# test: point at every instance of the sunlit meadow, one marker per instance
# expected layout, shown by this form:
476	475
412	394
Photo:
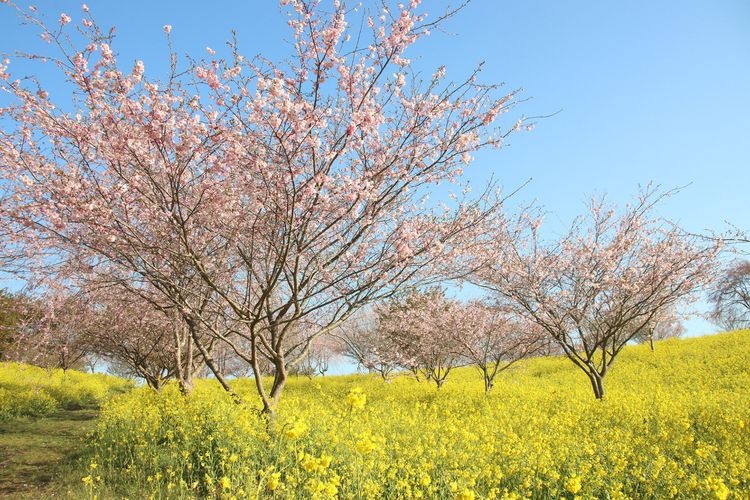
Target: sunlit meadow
674	424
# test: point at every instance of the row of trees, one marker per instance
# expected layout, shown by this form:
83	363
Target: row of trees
230	215
613	278
429	335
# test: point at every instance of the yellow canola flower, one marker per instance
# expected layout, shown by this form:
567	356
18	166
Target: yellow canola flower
671	426
365	445
296	430
273	481
356	398
573	484
466	494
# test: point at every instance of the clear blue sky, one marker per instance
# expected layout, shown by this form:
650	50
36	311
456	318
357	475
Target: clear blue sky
649	91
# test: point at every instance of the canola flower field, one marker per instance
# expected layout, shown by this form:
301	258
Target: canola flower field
30	391
675	424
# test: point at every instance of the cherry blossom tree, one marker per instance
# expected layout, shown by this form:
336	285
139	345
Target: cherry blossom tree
323	350
666	325
422	327
362	340
52	332
492	338
136	339
731	297
611	276
253	196
15	309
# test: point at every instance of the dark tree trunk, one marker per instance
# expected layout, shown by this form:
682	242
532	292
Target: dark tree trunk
488	383
597	383
279	381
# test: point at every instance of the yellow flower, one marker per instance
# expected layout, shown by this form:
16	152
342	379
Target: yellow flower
296	430
225	483
365	445
720	490
309	463
573	484
273	481
356	398
331	490
466	494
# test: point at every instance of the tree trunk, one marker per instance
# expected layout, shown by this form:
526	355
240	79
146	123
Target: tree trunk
489	383
186	370
651	342
209	361
279	381
153	382
185	385
597	383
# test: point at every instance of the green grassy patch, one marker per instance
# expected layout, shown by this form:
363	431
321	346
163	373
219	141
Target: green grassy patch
38	456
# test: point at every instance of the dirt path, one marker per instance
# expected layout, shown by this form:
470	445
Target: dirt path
37	455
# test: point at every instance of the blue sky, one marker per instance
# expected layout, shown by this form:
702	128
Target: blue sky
649	91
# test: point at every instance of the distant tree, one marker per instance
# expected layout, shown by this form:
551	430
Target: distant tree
134	339
422	328
12	312
493	338
665	325
731	297
54	332
594	289
362	341
317	361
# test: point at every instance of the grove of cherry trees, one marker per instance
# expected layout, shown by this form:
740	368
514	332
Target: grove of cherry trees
249	216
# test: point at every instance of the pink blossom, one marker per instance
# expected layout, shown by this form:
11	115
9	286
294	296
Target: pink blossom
167	28
64	19
106	52
138	70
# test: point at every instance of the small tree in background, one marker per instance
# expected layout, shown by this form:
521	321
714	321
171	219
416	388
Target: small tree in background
668	324
422	327
493	338
731	297
593	290
362	341
11	319
54	333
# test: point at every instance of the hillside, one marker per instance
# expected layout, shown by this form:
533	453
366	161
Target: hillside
673	425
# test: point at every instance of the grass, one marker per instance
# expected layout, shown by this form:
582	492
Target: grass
38	457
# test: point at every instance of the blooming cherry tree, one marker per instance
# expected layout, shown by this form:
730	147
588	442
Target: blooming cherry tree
362	340
611	276
492	338
667	324
252	195
422	328
730	296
